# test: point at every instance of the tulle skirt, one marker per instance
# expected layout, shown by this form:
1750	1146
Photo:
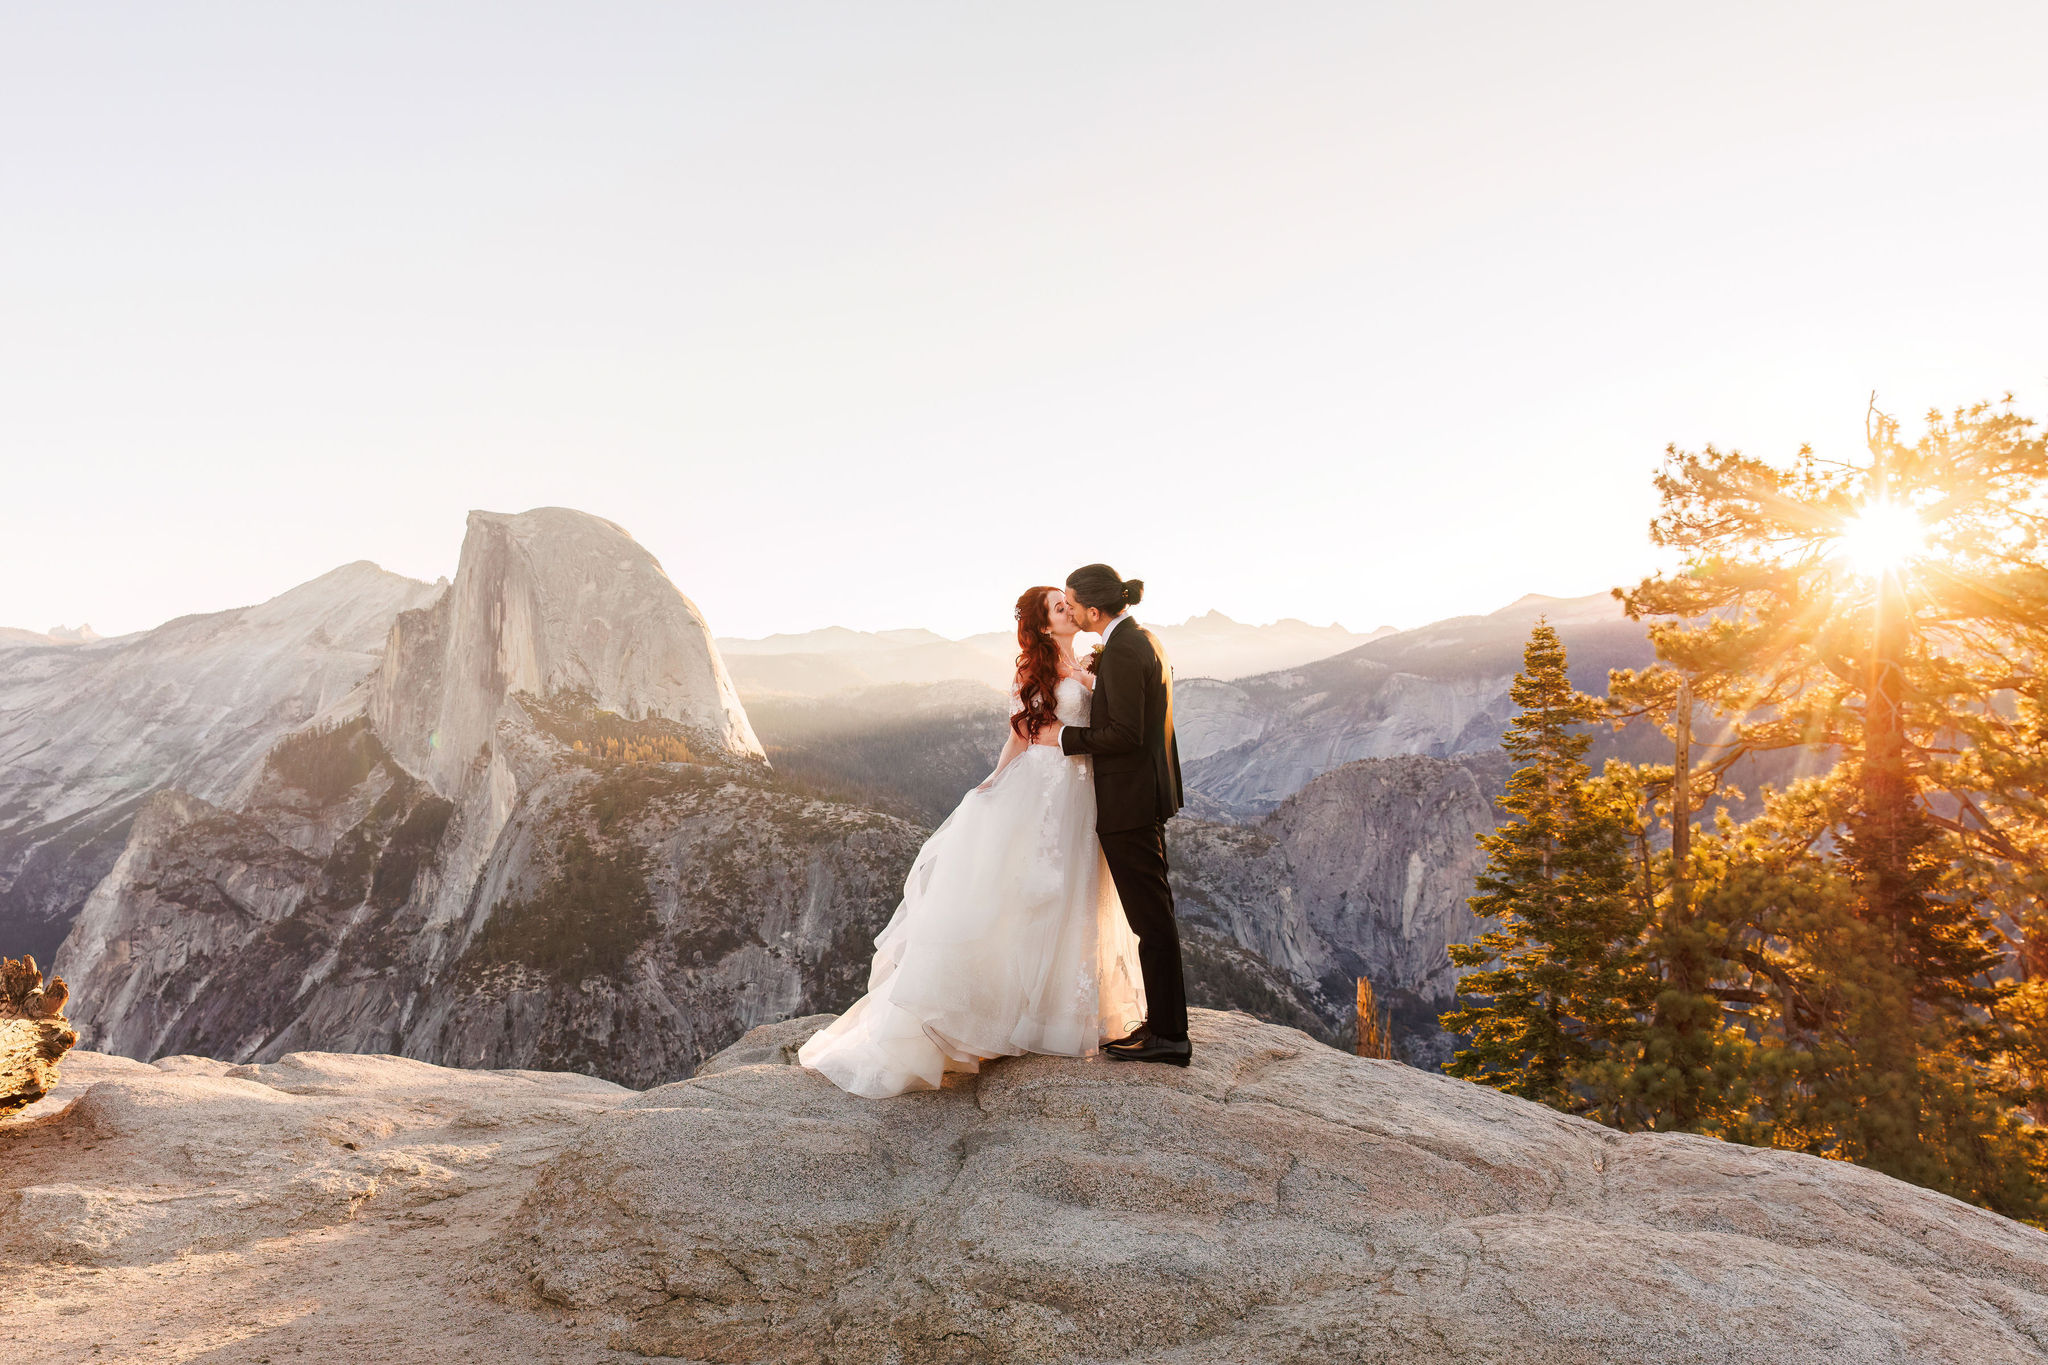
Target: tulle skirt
1009	939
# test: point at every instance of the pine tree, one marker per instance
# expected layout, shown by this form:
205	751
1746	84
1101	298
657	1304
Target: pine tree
1567	982
1894	611
1911	658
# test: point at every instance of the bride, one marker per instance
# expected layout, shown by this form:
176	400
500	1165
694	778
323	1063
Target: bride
1009	938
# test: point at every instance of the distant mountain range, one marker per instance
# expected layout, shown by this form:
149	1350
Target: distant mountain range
537	816
1246	744
55	635
1439	690
89	729
835	660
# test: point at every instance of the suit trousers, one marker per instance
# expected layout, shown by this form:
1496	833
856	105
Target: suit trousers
1137	864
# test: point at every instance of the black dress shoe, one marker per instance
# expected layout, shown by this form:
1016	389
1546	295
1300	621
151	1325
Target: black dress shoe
1151	1048
1141	1031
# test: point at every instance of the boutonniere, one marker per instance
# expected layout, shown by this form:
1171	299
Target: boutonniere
1094	656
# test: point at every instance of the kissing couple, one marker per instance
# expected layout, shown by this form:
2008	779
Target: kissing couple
1037	917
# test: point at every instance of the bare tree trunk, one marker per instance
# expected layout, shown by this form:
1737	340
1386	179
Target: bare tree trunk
1682	1018
1681	796
1880	844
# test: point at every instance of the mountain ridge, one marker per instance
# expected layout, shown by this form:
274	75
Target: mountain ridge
537	830
88	731
835	660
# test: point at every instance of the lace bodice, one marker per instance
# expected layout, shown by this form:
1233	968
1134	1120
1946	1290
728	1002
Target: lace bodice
1074	700
1071	701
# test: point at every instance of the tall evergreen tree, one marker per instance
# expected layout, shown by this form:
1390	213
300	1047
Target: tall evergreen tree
1567	980
1895	611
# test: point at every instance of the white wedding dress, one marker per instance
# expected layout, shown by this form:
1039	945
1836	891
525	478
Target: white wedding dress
1009	938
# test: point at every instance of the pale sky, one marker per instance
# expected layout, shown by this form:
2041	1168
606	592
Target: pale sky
872	315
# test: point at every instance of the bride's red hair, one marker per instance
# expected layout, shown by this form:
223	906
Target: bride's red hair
1038	666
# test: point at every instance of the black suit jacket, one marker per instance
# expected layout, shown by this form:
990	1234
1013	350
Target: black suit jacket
1130	733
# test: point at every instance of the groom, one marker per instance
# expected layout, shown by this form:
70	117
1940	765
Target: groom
1137	789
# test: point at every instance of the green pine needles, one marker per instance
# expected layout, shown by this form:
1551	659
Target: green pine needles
1569	979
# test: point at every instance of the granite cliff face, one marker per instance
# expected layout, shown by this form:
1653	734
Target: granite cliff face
548	602
1364	872
561	608
538	832
89	729
632	919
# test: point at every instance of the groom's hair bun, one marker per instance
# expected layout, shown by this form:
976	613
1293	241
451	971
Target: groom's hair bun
1098	586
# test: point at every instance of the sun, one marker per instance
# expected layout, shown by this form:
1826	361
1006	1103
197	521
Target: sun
1880	538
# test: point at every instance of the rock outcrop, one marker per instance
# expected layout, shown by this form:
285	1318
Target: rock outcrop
1277	1201
34	1035
89	730
320	1208
555	607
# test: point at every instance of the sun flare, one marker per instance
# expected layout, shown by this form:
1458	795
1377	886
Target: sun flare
1883	536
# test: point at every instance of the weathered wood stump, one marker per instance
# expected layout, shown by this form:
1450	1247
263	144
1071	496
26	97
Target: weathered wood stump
33	1032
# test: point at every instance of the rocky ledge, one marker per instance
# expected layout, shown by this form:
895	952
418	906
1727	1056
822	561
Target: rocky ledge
1278	1201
